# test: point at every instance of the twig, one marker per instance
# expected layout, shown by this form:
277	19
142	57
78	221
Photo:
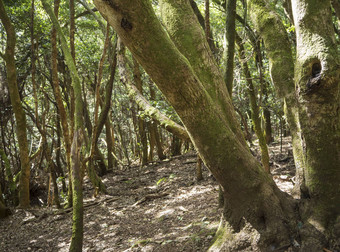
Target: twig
88	205
150	197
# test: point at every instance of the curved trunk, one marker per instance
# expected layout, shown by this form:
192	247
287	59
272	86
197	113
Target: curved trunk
281	65
189	78
24	192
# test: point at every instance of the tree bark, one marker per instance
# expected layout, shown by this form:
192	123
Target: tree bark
230	50
184	75
281	66
77	190
24	192
61	109
268	126
317	81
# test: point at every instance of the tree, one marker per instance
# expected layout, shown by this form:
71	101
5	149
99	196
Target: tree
316	80
255	113
76	165
179	62
24	197
57	95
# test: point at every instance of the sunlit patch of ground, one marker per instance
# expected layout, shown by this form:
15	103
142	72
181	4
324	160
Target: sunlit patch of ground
155	208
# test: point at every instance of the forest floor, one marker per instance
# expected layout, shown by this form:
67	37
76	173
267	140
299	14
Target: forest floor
159	207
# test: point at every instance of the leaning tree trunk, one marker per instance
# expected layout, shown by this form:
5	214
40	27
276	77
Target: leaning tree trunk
24	192
188	76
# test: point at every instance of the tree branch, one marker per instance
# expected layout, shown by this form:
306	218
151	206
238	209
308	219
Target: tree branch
149	110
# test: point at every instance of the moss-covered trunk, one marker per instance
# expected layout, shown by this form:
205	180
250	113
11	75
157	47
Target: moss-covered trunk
186	73
77	190
317	80
312	110
281	64
20	117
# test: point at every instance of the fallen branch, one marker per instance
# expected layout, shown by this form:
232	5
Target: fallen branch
150	197
87	205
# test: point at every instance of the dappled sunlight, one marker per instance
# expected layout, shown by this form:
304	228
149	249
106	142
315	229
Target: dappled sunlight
158	208
192	193
162	208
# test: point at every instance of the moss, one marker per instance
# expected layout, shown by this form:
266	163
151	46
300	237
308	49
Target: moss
222	235
24	196
141	243
277	46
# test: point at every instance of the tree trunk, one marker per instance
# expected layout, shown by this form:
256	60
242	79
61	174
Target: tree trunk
255	114
199	175
268	126
77	190
314	124
186	73
141	123
152	140
317	80
153	126
230	50
247	134
281	66
98	124
61	109
24	192
176	145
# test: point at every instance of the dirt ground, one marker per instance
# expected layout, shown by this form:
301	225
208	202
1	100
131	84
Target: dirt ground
159	207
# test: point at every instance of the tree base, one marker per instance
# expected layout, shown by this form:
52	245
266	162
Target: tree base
248	239
227	240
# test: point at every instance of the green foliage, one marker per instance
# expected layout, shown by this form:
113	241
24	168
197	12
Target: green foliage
161	181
